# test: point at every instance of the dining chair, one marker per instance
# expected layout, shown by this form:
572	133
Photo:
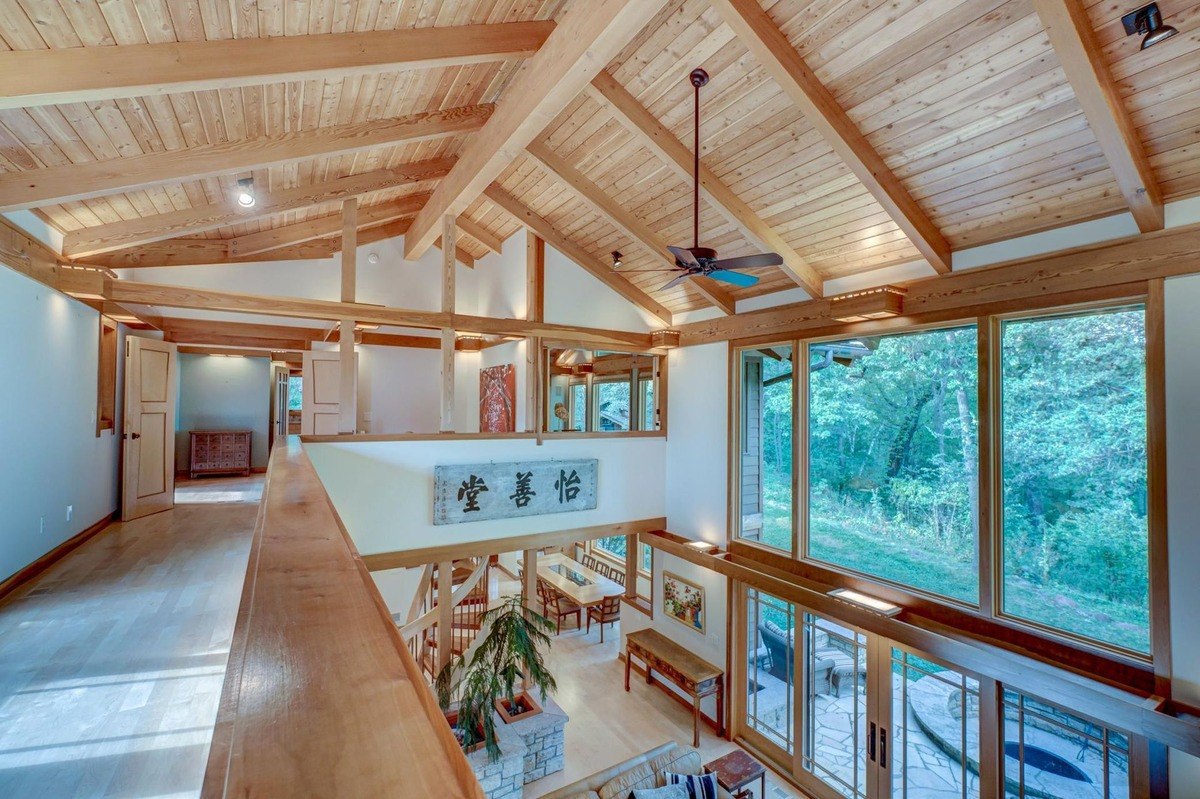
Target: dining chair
617	575
591	562
607	612
559	607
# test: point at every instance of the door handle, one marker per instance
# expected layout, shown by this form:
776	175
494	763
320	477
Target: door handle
135	436
882	748
871	743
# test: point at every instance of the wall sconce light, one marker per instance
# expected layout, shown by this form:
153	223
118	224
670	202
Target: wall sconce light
1147	20
245	195
866	601
365	326
703	546
862	306
664	339
470	343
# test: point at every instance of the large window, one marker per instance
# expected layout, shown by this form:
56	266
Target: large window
1074	474
893	458
602	392
766	446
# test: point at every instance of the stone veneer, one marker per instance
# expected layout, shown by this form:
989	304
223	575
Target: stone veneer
529	750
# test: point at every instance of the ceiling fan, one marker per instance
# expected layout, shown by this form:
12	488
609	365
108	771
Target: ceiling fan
703	261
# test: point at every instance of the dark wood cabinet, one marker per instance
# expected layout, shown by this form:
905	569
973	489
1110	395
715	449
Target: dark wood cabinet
219	452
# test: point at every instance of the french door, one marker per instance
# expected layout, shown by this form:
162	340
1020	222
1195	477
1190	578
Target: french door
854	715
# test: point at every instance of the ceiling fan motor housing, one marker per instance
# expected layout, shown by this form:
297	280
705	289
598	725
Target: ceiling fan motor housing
703	253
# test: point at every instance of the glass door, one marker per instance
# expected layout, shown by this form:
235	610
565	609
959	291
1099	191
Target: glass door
770	701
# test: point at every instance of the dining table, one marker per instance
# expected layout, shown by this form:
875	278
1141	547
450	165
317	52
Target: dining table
583	586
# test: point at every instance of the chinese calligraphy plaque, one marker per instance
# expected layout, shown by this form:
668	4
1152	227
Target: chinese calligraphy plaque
483	491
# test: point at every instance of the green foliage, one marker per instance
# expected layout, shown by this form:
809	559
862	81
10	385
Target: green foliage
511	649
893	458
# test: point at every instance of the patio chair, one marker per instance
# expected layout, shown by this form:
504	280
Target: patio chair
844	667
607	612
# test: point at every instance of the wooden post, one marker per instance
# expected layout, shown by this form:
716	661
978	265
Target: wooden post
535	311
347	396
631	564
445	623
529	582
449	235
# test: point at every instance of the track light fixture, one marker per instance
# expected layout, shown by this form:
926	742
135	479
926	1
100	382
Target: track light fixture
245	195
1147	20
616	256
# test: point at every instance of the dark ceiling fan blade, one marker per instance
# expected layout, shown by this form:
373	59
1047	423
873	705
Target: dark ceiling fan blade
736	278
683	256
750	261
675	282
644	271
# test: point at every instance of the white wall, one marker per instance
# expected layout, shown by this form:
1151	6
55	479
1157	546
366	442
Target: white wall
383	491
50	456
219	393
1183	505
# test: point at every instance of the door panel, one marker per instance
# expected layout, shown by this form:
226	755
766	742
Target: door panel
148	445
322	393
834	708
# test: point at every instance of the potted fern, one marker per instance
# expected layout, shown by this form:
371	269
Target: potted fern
485	682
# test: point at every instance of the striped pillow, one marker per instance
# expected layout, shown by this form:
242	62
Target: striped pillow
699	786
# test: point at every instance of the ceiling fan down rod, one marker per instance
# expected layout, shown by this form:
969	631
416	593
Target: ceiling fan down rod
698	78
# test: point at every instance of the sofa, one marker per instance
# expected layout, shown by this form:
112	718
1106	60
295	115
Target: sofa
642	771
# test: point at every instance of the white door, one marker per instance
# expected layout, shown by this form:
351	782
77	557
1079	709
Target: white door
149	427
322	393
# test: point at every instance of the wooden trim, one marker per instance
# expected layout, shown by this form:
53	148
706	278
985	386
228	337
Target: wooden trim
601	271
1098	271
587	37
382	561
640	604
364	672
18	579
1126	708
59	184
658	139
127	233
989	535
1156	488
106	375
754	27
1084	62
88	74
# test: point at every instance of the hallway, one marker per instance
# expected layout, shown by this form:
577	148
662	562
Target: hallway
112	662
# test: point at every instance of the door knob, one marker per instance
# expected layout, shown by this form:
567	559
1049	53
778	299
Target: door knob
135	436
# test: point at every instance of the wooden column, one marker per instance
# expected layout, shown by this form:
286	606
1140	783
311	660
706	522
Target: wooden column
529	581
631	564
535	311
445	623
347	396
449	235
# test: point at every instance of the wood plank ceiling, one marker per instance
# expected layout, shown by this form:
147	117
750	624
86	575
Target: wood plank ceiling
964	101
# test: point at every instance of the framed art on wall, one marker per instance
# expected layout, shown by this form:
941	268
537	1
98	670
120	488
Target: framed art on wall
683	601
498	399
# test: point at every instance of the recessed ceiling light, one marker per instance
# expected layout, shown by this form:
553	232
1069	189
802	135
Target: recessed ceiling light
245	195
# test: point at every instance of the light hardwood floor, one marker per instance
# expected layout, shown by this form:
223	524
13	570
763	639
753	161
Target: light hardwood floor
220	489
111	663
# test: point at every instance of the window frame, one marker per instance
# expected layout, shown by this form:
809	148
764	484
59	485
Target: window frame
1058	645
638	378
108	354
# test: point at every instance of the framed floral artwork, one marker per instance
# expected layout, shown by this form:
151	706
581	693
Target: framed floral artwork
683	601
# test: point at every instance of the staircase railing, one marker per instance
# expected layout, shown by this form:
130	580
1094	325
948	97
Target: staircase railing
468	603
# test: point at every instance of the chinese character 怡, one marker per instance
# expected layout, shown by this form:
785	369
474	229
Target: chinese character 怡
567	485
470	490
524	492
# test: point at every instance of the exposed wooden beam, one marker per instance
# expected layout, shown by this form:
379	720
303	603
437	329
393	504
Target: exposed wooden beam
588	36
202	252
477	232
90	241
348	366
775	53
88	74
128	291
1110	269
59	184
449	339
253	342
235	352
626	222
535	311
655	137
1070	31
323	226
185	330
601	271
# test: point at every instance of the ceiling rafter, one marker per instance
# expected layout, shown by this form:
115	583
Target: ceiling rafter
775	53
60	184
588	36
88	74
479	233
190	221
1070	31
626	222
324	226
655	136
552	236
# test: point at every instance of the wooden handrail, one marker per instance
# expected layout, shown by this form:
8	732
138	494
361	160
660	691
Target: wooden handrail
321	695
414	628
414	609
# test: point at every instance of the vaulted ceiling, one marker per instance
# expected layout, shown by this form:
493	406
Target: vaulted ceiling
961	113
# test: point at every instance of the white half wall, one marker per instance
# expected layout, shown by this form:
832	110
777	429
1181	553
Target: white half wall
383	490
52	457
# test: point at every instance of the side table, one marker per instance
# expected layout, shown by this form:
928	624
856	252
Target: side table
735	771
